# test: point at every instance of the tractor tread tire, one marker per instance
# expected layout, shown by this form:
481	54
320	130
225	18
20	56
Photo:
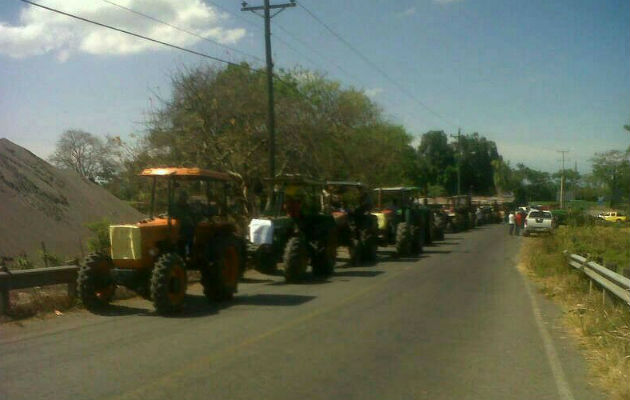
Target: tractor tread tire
325	257
86	283
370	246
403	240
160	279
265	260
295	259
214	287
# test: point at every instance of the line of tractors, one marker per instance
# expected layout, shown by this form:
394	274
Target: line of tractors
193	224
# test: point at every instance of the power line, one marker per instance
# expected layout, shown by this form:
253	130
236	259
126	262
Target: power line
373	65
257	26
242	66
181	29
311	48
137	35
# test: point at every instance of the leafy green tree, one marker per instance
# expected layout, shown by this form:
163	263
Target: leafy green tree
216	118
612	170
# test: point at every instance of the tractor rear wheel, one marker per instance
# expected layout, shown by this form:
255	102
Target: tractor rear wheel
94	283
264	259
369	245
355	251
295	259
168	283
403	239
220	280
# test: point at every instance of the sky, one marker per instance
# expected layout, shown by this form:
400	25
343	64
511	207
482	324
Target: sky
534	76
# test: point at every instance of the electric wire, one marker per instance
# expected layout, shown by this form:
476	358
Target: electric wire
369	62
137	35
182	29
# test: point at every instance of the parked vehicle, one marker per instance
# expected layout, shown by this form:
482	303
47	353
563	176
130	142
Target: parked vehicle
152	256
296	228
460	213
400	220
538	221
350	204
613	216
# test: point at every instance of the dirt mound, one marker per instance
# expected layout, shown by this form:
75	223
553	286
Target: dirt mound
40	203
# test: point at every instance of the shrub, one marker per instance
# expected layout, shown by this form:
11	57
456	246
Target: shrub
99	239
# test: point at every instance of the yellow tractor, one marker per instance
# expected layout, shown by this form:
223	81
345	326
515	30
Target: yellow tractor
187	229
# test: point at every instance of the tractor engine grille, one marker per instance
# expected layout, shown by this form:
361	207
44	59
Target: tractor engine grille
126	242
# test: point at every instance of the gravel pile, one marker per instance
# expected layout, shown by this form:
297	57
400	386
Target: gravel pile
40	203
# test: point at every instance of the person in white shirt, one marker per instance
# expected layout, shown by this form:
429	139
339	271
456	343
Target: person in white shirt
511	222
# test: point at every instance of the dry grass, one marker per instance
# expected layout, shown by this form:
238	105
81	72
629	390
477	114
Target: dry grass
602	328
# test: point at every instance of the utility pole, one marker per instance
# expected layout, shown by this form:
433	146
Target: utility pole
562	179
459	160
271	117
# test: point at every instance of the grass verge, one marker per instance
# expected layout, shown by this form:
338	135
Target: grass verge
601	327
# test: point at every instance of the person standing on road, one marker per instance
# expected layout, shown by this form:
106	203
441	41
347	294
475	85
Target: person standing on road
511	222
518	218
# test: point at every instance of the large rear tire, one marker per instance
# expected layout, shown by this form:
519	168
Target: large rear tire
265	259
168	284
355	251
295	259
94	283
403	240
370	246
220	279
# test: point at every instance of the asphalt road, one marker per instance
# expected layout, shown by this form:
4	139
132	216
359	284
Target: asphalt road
459	323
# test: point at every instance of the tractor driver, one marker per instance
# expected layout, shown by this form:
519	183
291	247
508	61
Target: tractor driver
183	213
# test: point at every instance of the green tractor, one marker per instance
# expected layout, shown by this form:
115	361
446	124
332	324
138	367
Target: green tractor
294	228
357	229
401	221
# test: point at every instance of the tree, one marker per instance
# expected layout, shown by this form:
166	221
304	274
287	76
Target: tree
435	157
84	153
612	170
216	119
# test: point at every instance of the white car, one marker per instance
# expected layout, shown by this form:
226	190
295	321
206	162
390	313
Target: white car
538	221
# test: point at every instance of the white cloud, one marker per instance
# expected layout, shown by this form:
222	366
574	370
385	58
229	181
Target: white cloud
407	13
371	93
41	31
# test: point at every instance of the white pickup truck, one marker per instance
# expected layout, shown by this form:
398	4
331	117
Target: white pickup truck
538	221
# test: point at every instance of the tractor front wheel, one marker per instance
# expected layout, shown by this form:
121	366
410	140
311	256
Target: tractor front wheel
417	240
168	284
295	259
325	256
403	239
94	283
369	245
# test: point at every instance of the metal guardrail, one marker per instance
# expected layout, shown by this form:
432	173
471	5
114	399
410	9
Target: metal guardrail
23	279
610	281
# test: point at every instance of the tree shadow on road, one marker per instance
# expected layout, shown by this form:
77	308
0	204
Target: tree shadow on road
273	300
358	274
118	310
436	251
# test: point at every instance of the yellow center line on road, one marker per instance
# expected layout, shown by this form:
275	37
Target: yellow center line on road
173	377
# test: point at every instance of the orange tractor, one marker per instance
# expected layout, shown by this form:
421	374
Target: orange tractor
188	229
